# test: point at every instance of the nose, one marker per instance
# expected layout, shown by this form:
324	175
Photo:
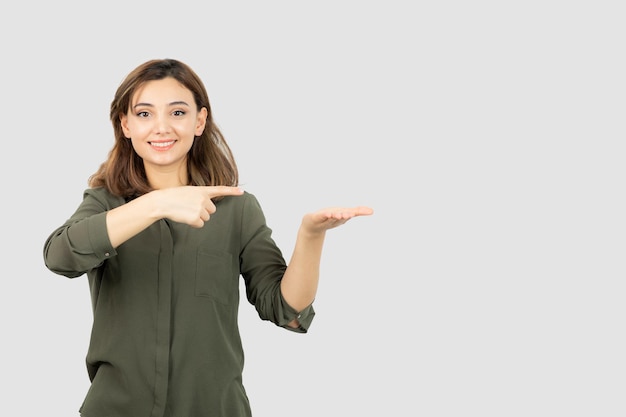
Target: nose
161	125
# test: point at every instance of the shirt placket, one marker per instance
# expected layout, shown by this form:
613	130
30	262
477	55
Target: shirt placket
163	323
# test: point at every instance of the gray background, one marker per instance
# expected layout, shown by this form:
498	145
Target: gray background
488	136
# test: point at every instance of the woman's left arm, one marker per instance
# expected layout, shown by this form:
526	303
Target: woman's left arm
299	284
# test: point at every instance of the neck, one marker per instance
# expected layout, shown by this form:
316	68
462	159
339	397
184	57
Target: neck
166	178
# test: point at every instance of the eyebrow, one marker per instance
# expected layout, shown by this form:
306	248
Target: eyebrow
173	103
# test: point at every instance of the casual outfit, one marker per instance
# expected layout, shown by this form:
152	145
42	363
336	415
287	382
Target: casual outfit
165	340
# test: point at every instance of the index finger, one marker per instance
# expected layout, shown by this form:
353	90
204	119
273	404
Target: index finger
223	190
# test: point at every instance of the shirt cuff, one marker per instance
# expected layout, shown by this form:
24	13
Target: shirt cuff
304	317
99	237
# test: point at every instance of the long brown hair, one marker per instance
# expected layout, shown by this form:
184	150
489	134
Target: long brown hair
209	161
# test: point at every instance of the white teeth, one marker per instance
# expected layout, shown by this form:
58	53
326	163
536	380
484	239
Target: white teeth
162	144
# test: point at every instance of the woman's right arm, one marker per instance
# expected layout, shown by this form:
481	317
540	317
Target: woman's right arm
97	228
192	205
126	221
82	243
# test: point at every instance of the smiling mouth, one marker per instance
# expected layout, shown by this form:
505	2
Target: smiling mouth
162	144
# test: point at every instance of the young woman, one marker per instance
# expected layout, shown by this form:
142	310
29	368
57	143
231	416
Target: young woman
163	234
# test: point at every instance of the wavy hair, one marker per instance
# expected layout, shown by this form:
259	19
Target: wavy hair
210	160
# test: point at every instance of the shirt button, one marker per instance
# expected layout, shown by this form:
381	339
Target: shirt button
106	254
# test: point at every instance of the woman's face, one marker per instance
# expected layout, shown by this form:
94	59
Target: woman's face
162	122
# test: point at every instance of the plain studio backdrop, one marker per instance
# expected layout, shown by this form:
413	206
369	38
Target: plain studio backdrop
488	136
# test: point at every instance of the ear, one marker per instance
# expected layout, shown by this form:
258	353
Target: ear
201	121
124	124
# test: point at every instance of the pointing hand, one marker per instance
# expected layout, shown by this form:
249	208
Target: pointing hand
193	205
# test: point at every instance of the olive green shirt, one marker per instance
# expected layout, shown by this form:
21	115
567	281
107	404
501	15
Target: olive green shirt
165	340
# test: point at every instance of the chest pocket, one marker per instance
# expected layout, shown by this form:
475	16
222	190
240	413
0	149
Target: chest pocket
216	278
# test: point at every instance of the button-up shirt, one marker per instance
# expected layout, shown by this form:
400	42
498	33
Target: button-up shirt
165	340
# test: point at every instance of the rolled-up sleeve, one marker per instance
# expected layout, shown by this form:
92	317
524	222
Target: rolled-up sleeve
82	242
288	314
